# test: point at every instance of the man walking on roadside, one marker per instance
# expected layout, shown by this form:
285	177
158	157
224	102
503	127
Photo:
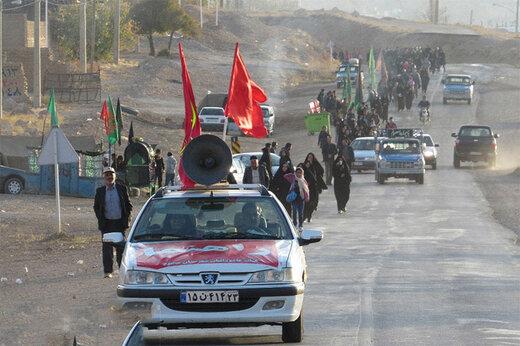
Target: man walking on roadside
329	151
171	164
112	207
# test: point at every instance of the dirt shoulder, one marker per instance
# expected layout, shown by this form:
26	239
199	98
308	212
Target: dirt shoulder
498	107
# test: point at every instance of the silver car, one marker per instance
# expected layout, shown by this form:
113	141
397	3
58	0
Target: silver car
246	159
364	154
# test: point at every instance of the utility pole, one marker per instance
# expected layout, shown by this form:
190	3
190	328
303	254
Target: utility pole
37	58
517	13
1	62
47	23
201	18
93	37
216	12
471	18
117	31
83	36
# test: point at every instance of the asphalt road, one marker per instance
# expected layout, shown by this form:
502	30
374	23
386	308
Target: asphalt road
408	264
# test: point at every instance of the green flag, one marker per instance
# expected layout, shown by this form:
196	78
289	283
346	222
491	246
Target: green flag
372	69
51	108
113	128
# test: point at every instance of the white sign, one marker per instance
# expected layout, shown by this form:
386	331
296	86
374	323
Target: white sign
57	144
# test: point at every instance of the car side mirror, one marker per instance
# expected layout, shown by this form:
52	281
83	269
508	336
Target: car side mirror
496	135
454	135
310	236
436	145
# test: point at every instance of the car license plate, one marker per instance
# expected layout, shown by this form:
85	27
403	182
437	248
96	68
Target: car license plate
475	153
212	120
201	297
358	163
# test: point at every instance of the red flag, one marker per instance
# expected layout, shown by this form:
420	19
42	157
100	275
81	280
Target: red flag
244	98
104	116
191	117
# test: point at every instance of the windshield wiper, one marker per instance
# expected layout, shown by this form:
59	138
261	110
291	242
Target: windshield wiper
161	236
241	235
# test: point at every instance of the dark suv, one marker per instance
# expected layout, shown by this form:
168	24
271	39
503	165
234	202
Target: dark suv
475	143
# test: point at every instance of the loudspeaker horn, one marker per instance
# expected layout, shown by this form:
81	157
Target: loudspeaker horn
207	160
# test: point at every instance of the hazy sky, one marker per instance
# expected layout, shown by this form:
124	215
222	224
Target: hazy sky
456	11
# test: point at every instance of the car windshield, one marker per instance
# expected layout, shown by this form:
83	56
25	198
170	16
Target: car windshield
428	141
475	132
458	80
212	218
365	144
212	111
401	147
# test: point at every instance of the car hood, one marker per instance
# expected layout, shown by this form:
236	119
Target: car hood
209	255
401	157
363	154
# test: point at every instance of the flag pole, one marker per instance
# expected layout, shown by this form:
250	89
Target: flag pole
109	154
57	182
224	131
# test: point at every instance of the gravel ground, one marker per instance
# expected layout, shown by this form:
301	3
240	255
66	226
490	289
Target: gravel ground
498	107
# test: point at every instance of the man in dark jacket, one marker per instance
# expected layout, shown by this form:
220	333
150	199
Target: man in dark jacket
113	208
322	137
256	174
329	151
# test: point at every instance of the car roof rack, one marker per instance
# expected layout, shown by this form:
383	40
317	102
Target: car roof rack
221	186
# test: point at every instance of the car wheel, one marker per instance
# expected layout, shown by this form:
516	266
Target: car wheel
445	101
13	186
456	161
434	165
293	331
381	179
420	179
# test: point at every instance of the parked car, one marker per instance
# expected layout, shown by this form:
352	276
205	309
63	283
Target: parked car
204	261
269	121
457	87
246	159
429	150
12	180
475	143
364	153
212	118
238	169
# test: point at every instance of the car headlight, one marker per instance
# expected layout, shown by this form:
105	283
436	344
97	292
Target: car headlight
428	153
269	276
140	277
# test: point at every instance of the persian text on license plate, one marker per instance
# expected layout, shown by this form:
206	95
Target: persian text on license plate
209	297
475	153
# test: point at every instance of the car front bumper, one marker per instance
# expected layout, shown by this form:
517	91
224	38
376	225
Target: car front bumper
457	96
401	173
363	165
474	157
167	308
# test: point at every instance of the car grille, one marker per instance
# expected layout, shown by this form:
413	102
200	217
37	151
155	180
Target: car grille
194	279
401	165
243	304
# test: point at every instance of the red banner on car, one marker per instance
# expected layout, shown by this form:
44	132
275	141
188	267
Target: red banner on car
161	255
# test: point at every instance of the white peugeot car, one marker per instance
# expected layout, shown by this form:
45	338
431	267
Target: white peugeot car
224	255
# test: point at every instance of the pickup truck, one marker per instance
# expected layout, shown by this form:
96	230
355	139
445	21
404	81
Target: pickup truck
399	158
475	143
457	87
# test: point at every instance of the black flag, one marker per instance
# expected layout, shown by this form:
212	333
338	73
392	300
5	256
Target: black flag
131	132
119	119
